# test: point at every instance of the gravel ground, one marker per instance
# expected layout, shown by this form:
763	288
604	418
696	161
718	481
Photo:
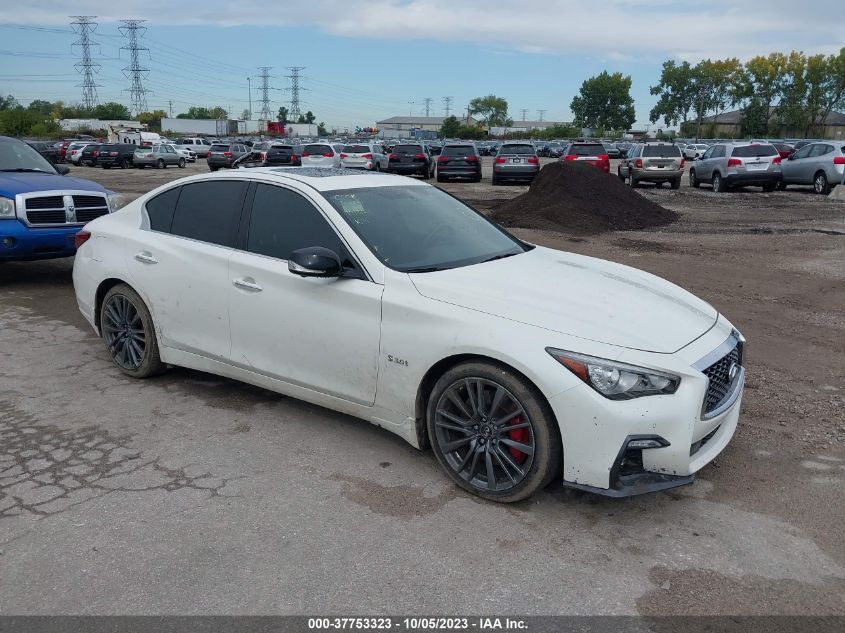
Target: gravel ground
193	494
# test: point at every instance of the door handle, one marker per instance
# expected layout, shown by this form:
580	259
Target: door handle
247	283
146	257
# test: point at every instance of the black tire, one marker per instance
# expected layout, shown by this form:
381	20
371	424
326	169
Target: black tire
125	164
718	183
181	163
441	178
140	166
160	164
676	184
820	184
769	188
477	178
781	186
213	168
633	182
496	181
150	361
693	181
541	433
104	166
619	173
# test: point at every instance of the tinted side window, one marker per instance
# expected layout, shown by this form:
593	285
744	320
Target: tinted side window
161	208
283	221
210	211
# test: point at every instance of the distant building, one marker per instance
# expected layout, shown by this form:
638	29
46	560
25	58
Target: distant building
729	124
405	126
520	127
75	125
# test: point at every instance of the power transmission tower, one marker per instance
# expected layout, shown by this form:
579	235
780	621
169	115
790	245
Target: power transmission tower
427	101
83	26
294	90
265	93
131	29
447	105
524	112
540	114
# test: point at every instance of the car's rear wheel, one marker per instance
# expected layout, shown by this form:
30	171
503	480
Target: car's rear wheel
781	186
718	183
125	164
129	334
769	188
160	164
140	166
492	432
676	184
213	168
496	181
181	163
820	183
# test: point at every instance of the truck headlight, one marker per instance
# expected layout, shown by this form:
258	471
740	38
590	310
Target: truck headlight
116	201
616	381
7	208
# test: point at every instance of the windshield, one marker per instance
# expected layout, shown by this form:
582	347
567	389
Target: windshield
421	229
16	156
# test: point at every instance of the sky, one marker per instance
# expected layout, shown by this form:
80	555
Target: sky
368	60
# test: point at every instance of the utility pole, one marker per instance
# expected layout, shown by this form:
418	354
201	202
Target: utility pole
294	90
83	25
447	105
524	112
428	101
170	107
249	84
540	114
134	71
411	108
265	93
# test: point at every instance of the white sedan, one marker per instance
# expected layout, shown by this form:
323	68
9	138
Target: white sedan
385	298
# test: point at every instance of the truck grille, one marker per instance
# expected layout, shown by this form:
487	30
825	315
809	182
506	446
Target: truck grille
50	210
51	216
83	202
47	202
720	385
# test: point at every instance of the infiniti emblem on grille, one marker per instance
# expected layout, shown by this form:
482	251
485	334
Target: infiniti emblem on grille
733	370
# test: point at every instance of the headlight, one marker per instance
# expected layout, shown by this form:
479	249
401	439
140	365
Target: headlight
116	201
616	381
7	208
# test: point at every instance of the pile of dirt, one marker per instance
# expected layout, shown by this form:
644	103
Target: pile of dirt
579	198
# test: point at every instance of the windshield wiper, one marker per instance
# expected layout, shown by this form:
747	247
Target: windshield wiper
425	269
495	257
27	169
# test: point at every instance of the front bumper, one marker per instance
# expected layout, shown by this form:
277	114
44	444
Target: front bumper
596	431
18	242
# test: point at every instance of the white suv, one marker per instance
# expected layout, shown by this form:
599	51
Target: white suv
199	146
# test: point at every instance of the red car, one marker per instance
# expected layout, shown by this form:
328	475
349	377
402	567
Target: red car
594	154
784	149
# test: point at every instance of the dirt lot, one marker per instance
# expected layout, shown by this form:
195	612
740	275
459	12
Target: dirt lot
192	494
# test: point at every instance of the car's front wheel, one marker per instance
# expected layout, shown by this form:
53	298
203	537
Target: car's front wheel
160	164
693	180
181	163
492	432
718	183
129	334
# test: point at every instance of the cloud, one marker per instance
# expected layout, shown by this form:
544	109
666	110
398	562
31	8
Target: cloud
621	30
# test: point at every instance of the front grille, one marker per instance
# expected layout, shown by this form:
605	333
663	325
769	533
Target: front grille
720	385
86	215
45	202
52	216
86	202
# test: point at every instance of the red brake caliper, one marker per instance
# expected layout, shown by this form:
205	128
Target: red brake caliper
518	435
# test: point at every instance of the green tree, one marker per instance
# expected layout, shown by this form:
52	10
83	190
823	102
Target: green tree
321	129
309	117
450	128
246	114
793	109
111	110
218	112
282	116
605	102
8	102
74	111
678	91
832	90
765	78
41	106
493	111
718	84
152	119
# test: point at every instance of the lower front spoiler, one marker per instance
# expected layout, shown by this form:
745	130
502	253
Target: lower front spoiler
639	484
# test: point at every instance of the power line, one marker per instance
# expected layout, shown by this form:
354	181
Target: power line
294	90
135	72
447	105
427	101
84	27
265	93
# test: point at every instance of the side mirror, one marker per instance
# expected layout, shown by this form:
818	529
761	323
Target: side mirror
315	261
63	170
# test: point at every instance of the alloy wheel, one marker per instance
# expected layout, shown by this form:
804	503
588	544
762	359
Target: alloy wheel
820	183
124	333
484	433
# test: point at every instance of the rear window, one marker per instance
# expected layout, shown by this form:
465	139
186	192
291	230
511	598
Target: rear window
516	149
356	149
318	149
219	148
143	150
458	150
661	151
281	149
754	151
590	149
408	149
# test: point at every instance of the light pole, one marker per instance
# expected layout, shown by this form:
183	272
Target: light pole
410	108
249	83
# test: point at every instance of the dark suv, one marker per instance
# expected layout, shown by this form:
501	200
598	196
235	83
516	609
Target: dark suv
90	153
459	160
515	161
271	155
411	159
225	155
116	155
47	150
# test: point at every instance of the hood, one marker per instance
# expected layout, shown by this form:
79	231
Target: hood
12	183
579	296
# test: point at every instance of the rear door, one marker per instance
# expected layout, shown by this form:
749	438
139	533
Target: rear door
461	157
322	334
410	155
516	155
318	155
758	158
181	263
